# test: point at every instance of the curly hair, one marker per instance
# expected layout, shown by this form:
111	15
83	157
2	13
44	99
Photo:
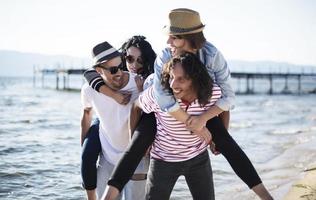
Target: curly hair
148	55
195	70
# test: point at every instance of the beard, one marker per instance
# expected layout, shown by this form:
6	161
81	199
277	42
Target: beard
116	82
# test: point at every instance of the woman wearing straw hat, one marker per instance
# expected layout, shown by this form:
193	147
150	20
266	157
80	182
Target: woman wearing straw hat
185	34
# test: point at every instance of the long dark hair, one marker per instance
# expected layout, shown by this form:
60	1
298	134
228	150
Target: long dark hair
195	70
148	55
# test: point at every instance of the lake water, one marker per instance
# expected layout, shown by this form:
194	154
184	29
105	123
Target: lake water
40	150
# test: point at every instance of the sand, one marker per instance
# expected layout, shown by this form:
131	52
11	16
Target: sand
305	188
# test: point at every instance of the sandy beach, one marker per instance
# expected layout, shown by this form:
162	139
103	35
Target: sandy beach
304	188
296	177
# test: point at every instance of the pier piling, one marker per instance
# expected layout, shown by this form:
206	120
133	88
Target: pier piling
249	77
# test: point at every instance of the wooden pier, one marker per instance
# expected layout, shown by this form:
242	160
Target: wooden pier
250	77
62	75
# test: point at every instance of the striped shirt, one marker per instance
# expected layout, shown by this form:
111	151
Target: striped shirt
173	142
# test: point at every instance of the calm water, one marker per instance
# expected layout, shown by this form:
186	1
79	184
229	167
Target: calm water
40	151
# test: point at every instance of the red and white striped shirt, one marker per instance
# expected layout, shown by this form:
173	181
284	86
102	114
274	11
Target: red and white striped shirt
173	142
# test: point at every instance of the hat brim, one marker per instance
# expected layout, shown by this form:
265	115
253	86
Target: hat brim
109	57
168	30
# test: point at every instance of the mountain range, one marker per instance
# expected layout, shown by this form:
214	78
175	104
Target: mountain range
14	63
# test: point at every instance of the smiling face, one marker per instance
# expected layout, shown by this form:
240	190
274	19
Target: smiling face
178	45
134	62
112	75
181	84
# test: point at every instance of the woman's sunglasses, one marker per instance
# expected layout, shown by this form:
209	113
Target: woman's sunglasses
130	59
114	69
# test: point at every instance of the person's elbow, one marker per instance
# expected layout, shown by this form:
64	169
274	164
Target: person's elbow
226	103
86	114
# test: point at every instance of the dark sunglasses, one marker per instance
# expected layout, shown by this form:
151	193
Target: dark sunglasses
130	59
113	69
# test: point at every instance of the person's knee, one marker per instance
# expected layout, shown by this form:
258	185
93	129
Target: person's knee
91	147
94	129
89	156
147	124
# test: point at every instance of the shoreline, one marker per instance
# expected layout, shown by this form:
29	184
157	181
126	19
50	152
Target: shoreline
292	174
304	188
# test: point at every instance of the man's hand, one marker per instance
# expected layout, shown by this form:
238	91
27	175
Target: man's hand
204	134
110	193
139	82
122	97
195	123
148	151
213	149
225	116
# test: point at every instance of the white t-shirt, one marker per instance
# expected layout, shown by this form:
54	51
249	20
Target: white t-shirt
113	130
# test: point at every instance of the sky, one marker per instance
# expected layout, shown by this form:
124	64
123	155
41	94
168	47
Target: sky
251	30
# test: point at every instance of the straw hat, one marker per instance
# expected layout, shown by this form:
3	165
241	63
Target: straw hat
183	21
103	52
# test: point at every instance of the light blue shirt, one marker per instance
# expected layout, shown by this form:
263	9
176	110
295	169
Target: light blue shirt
217	68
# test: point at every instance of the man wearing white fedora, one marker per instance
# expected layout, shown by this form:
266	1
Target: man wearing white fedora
113	130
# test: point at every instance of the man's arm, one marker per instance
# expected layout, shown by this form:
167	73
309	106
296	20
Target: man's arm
225	117
85	123
134	118
119	96
110	193
180	115
196	123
